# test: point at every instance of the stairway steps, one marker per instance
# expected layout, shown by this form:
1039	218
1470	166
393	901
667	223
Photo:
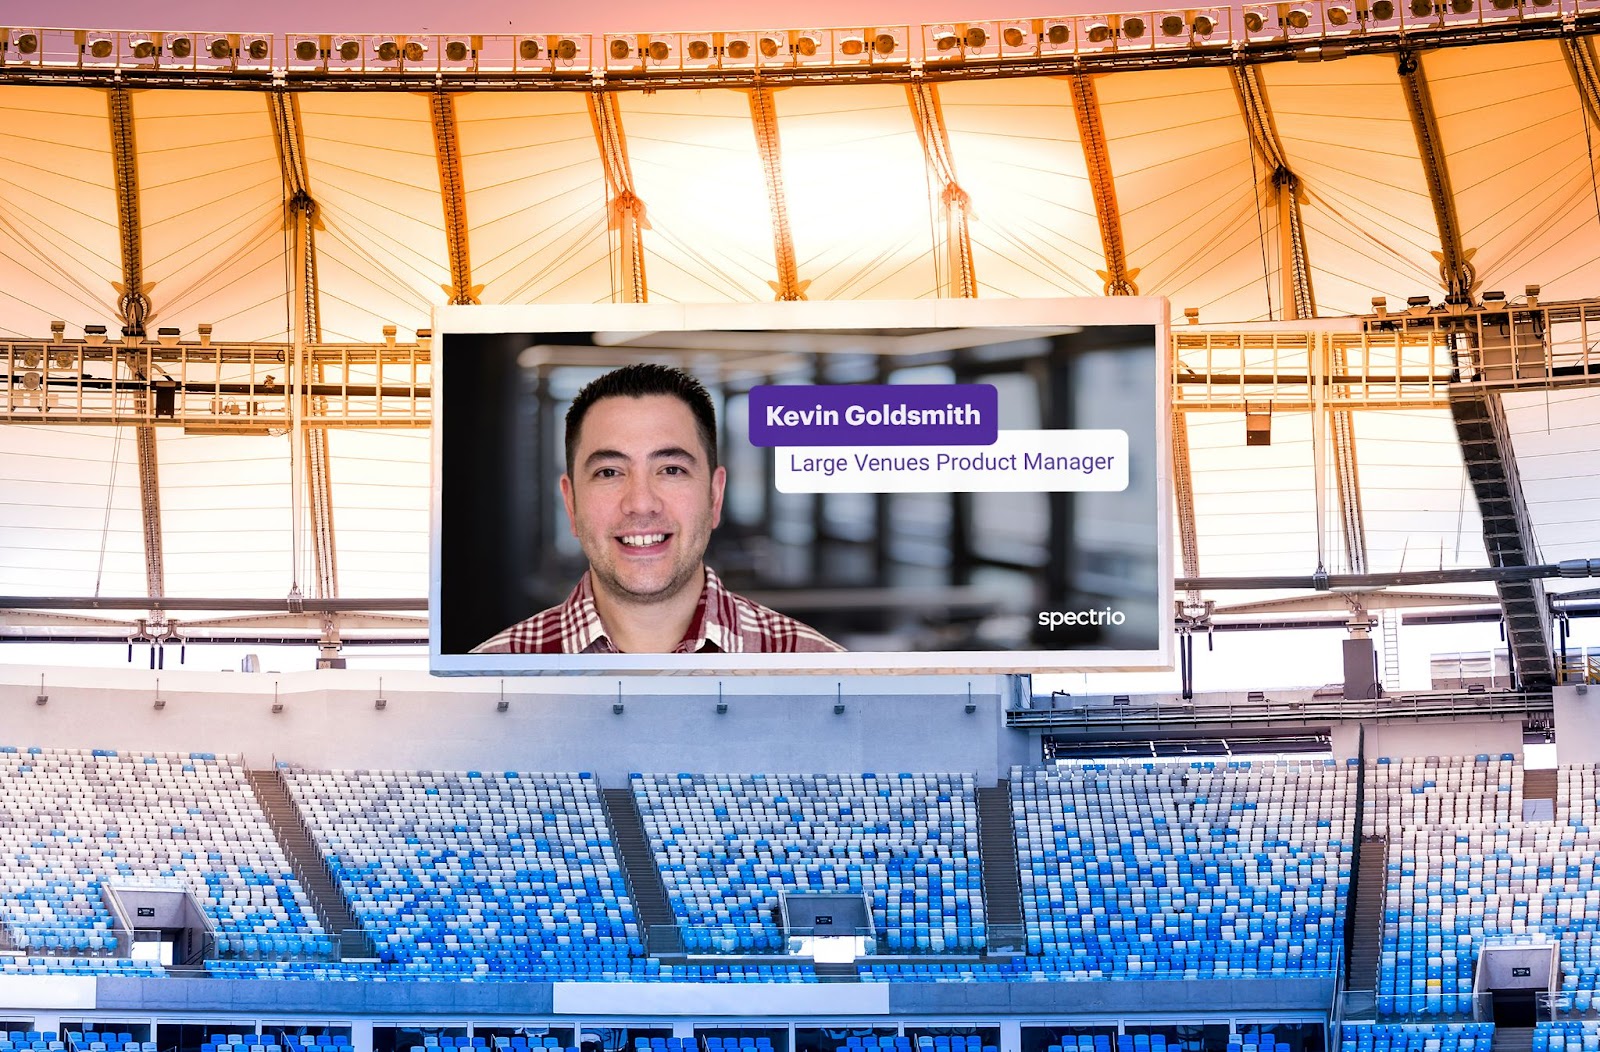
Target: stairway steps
1367	923
662	937
1539	784
1512	1039
997	850
310	868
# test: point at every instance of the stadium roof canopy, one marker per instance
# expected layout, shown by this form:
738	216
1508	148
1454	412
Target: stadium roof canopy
1280	169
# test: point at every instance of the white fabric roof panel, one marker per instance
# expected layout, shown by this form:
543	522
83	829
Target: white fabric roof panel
695	157
1017	154
1416	501
58	210
1557	439
1348	137
1255	507
69	522
536	197
372	170
381	487
214	248
1186	191
860	205
1515	130
225	516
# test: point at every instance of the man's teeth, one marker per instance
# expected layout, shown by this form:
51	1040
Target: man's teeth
643	540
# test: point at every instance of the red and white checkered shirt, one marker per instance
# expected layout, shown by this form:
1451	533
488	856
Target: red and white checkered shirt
724	622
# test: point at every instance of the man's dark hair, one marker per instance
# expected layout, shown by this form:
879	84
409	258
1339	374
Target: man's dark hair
638	381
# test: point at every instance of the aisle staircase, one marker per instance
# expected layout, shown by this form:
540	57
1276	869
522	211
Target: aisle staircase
1366	925
1512	1039
662	937
1002	889
306	860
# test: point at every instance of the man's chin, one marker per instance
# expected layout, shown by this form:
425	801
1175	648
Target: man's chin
644	592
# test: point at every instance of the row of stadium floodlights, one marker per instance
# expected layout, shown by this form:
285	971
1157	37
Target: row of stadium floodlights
888	46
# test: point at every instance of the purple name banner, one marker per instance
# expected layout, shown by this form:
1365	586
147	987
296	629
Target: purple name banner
874	415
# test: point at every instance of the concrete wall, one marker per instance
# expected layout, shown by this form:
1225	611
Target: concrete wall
1577	724
1463	737
415	1001
329	720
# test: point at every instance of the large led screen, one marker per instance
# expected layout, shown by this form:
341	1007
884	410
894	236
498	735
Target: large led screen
953	486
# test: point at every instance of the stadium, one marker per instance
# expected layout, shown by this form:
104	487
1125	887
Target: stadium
1281	737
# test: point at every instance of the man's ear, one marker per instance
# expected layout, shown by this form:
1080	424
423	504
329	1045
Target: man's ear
719	483
567	499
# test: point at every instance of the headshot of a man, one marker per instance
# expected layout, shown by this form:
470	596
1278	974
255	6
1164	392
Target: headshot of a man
643	491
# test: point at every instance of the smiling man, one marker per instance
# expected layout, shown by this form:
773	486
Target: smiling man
643	491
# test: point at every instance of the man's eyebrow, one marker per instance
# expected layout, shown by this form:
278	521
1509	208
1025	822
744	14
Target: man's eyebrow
664	453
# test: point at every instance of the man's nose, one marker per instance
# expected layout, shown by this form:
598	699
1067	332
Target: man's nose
640	496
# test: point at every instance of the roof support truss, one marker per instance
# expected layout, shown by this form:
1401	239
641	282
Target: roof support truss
764	117
1183	493
309	444
1456	274
453	192
1118	277
627	209
133	304
961	279
1295	269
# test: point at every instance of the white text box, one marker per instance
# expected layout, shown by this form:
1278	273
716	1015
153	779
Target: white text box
1019	461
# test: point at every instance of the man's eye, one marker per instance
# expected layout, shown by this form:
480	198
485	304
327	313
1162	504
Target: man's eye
674	469
606	473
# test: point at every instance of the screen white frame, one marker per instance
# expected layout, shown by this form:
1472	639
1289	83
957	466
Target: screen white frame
853	314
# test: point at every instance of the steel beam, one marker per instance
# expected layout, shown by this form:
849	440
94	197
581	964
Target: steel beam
1118	277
